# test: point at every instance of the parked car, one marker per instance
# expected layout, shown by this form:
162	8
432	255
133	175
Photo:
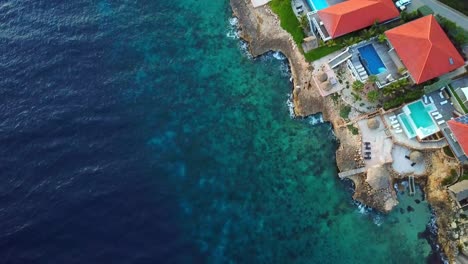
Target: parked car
402	3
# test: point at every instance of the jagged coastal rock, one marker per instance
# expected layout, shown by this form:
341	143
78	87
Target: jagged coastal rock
260	28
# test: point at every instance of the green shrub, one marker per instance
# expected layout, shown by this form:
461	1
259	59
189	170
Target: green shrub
448	151
456	33
373	96
353	129
335	97
407	17
464	177
448	180
460	5
425	10
358	86
344	111
288	19
406	97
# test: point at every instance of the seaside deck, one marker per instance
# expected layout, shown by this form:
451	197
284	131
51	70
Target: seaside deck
346	174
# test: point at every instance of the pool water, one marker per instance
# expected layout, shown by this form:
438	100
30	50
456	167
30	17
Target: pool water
371	60
420	114
406	125
416	119
317	4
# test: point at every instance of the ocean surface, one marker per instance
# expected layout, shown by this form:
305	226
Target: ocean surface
138	131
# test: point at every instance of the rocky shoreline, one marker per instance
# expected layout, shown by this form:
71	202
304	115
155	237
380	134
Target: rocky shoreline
260	28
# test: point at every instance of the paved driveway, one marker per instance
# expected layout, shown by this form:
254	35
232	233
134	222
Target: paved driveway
442	10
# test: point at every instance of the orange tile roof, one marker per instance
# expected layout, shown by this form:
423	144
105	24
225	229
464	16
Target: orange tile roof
459	127
424	49
352	15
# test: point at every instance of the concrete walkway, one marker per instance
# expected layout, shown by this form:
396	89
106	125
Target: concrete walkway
443	10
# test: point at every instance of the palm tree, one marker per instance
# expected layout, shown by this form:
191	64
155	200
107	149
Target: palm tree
381	38
304	23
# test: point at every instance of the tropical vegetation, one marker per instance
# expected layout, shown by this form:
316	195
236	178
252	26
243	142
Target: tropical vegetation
288	19
459	5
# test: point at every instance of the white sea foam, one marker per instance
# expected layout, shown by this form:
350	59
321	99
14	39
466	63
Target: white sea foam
278	55
315	119
233	29
290	105
244	47
284	69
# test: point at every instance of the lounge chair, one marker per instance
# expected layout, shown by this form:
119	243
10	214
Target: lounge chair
396	126
439	116
412	164
443	102
394	122
406	156
441	122
441	95
398	131
434	113
368	148
367	158
432	100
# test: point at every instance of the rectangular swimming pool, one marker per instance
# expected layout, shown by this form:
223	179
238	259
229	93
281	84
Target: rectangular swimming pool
371	60
417	120
317	4
406	126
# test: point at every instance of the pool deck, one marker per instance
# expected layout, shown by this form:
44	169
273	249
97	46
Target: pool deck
382	51
402	165
380	143
403	140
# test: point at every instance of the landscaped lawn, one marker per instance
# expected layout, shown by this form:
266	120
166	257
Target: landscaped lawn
288	20
321	52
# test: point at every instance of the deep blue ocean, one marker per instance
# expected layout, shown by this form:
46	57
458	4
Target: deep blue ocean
140	131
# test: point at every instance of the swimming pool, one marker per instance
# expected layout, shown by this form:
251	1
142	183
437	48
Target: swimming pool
417	121
371	60
406	125
317	4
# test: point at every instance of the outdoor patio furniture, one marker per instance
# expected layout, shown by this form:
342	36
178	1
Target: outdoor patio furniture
441	122
367	143
368	148
434	113
367	153
432	100
441	95
412	164
443	102
396	126
439	116
425	99
406	156
398	131
394	122
367	158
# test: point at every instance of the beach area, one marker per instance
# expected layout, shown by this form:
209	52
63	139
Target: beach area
260	27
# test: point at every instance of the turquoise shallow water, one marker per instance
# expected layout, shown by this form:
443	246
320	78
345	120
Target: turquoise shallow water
255	185
142	132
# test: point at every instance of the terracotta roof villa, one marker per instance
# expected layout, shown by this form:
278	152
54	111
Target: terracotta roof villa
424	49
459	128
352	15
